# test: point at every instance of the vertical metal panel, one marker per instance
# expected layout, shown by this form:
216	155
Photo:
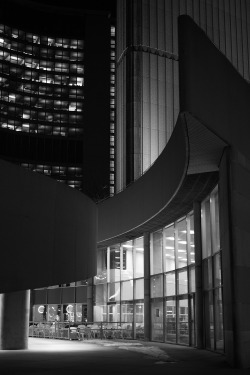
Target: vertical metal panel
215	15
176	90
209	19
189	7
244	40
196	11
168	26
153	24
203	23
233	33
169	96
175	14
222	26
160	25
239	37
183	8
247	6
145	23
228	31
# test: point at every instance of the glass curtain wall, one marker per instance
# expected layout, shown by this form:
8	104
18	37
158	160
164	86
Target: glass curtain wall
212	277
70	312
173	282
119	286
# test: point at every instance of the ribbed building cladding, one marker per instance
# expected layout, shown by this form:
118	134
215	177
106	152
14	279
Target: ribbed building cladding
147	70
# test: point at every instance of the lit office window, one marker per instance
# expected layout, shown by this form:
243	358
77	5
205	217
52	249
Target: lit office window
41	66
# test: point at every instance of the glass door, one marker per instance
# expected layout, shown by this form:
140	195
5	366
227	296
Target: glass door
182	321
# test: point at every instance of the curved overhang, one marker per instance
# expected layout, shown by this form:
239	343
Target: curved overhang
48	231
186	171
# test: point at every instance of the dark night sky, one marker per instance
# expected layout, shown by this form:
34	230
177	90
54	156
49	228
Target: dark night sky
81	4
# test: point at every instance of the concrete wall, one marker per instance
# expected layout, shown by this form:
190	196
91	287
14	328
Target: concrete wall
48	231
214	92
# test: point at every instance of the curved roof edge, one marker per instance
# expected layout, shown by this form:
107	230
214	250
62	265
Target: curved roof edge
186	170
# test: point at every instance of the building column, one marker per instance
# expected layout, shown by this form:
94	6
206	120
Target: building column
198	277
228	274
14	320
90	300
147	313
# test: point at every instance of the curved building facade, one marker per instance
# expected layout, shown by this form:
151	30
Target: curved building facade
172	264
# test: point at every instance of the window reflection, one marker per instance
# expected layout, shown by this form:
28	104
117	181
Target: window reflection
181	256
169	233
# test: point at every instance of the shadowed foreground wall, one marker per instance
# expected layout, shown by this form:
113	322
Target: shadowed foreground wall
48	231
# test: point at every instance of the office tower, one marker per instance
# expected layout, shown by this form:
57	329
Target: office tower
57	94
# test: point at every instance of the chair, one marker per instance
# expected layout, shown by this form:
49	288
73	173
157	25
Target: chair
74	334
52	331
84	332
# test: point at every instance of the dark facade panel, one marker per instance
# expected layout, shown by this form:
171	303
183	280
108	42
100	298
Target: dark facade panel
81	294
96	138
68	295
212	89
39	297
44	226
54	296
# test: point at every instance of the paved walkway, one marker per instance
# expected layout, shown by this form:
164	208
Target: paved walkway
48	356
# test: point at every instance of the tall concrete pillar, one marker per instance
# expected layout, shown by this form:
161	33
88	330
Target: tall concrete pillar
147	313
198	277
90	300
14	320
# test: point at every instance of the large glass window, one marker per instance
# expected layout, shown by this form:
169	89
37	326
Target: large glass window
181	256
182	282
169	248
138	257
39	313
114	257
54	312
170	284
183	325
157	320
190	237
156	253
170	320
113	292
127	312
127	290
101	276
212	278
156	286
139	288
127	261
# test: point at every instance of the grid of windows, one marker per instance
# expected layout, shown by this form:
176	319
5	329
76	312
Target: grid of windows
41	83
70	175
112	111
119	286
211	269
172	282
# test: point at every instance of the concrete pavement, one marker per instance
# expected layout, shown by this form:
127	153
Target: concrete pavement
49	356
